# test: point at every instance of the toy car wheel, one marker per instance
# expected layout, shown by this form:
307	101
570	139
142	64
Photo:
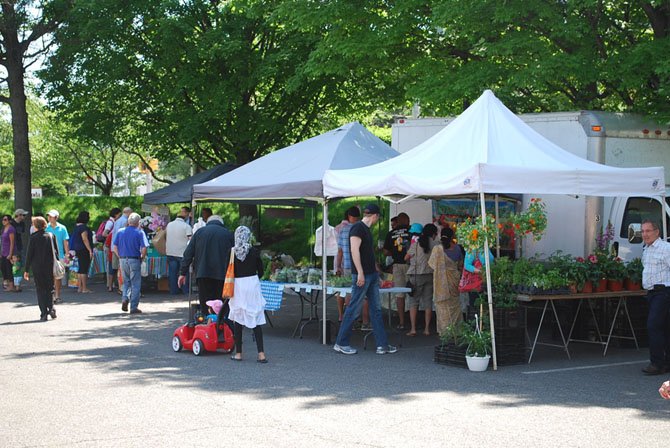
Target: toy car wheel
198	348
176	344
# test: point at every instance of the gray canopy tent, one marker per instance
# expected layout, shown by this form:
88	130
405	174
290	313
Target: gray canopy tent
181	191
296	173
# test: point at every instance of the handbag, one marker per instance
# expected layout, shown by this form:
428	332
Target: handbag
471	281
229	282
59	267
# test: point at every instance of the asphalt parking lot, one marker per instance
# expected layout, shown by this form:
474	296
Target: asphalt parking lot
98	377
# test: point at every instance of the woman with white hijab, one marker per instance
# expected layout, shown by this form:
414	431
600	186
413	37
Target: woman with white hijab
247	306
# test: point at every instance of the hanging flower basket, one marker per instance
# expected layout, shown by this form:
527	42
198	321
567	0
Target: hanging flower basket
532	221
472	234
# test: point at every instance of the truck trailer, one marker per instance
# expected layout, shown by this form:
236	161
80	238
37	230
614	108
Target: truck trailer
615	139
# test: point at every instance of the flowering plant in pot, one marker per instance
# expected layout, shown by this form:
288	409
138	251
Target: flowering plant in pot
472	233
531	221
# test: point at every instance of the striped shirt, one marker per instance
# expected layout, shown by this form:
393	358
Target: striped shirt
343	243
656	262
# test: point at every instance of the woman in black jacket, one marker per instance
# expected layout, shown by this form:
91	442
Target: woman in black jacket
40	257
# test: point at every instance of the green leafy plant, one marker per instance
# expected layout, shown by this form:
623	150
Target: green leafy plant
615	269
454	334
634	270
477	339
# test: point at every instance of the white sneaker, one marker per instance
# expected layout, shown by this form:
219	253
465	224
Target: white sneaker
346	350
387	349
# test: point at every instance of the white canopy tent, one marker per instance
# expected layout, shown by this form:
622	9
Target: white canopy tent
488	149
296	173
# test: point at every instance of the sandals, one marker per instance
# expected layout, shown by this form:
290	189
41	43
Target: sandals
411	334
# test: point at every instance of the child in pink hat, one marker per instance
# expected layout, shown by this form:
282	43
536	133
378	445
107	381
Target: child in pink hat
214	310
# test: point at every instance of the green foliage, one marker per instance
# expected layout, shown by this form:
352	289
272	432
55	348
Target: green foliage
6	191
454	334
209	81
634	270
478	341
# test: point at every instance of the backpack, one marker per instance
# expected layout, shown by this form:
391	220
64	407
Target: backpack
99	237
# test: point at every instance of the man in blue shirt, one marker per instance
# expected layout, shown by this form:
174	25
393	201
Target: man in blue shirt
130	245
62	241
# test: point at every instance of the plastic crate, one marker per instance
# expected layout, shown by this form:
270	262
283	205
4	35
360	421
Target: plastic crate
450	355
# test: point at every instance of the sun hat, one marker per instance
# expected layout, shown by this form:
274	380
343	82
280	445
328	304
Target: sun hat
215	305
416	228
53	212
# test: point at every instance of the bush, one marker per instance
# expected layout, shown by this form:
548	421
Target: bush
6	191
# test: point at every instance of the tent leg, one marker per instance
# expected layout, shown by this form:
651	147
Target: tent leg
324	267
489	291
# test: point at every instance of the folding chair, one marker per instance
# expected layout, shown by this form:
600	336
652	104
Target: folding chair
272	293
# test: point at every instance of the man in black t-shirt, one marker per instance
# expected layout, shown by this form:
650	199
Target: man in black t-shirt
365	283
396	245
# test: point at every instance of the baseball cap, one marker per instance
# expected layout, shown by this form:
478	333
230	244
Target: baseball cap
372	209
20	211
416	228
53	212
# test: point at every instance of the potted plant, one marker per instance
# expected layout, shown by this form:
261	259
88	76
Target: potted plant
477	354
451	350
595	272
616	273
634	268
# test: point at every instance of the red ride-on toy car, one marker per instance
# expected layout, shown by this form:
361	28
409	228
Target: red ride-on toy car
202	337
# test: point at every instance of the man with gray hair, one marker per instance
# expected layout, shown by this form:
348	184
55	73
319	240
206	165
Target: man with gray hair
210	247
130	245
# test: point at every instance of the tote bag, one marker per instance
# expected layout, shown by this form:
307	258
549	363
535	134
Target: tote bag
471	281
59	267
229	282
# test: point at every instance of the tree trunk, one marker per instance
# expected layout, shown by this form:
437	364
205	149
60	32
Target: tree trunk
248	210
17	103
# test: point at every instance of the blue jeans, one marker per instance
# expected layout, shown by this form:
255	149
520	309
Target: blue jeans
132	280
173	265
658	326
358	294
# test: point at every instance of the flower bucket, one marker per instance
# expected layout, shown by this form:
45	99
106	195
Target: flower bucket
478	363
587	288
601	286
615	285
630	285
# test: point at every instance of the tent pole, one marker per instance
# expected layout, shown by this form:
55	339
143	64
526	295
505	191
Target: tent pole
324	262
664	218
497	230
489	291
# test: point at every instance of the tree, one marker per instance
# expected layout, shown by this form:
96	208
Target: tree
209	81
24	29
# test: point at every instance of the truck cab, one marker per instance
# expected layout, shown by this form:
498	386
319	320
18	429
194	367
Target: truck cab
626	215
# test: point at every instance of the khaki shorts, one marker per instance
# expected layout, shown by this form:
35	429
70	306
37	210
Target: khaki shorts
400	276
115	261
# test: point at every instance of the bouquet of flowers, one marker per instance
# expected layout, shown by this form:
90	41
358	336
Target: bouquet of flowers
471	233
154	222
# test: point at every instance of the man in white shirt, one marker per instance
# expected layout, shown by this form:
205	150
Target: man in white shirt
656	280
177	235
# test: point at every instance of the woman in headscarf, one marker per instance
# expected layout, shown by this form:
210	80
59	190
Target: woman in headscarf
446	260
247	306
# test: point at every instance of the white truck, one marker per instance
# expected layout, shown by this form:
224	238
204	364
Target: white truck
622	140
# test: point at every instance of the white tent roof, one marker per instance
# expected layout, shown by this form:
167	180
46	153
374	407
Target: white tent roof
297	170
489	149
